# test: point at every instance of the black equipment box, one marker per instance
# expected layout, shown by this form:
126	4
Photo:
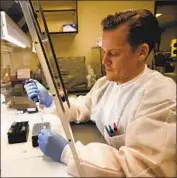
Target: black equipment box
18	132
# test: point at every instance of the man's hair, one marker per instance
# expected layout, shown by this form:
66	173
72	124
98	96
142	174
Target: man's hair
143	26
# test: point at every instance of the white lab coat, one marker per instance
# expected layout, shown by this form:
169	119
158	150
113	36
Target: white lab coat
145	111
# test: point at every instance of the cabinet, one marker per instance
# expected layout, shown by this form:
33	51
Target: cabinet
97	56
61	16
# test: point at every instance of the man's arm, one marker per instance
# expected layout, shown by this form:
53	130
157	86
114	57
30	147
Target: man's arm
80	107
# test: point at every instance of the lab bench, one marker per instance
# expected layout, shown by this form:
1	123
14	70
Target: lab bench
24	160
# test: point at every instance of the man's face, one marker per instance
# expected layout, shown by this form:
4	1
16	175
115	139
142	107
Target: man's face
120	61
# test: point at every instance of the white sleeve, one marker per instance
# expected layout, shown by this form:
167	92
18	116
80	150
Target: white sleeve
78	110
150	143
80	107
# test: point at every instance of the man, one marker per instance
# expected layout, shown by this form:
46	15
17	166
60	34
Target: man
142	103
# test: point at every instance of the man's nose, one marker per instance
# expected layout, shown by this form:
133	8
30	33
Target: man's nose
106	59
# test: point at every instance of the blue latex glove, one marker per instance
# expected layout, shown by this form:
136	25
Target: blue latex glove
35	89
51	144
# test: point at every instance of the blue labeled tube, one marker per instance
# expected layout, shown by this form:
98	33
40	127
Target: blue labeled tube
111	131
108	131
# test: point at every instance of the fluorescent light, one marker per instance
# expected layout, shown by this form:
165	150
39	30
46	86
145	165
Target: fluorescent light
158	15
14	41
12	33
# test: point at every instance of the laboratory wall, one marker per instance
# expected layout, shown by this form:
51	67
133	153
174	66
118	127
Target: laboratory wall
90	14
18	58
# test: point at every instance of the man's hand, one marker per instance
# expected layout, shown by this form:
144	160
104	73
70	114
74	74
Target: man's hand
35	89
51	144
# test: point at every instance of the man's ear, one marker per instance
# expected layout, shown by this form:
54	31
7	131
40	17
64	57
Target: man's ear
143	51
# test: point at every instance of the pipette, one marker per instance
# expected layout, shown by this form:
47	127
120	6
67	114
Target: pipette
40	108
35	99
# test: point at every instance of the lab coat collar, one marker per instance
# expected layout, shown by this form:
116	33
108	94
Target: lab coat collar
135	79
